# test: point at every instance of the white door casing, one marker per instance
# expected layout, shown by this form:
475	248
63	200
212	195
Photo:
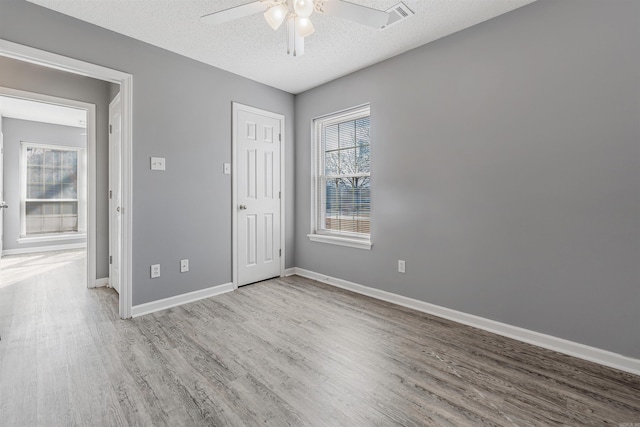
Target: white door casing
257	194
115	192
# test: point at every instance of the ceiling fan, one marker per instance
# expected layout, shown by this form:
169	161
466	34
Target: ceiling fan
296	13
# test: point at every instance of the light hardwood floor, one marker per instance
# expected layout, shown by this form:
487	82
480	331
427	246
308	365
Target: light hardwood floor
283	352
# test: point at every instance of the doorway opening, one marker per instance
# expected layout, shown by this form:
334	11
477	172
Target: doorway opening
50	60
48	186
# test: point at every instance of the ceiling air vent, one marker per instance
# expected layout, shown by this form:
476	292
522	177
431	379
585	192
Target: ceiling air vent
397	13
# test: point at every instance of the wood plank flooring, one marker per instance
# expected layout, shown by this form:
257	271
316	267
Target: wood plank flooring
282	352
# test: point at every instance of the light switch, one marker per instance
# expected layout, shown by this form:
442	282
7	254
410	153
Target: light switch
401	266
155	271
157	163
227	168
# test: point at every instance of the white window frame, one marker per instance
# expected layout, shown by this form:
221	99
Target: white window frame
82	194
318	234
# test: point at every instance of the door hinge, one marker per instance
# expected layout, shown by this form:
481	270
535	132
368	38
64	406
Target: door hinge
280	252
280	137
110	194
110	129
279	194
110	259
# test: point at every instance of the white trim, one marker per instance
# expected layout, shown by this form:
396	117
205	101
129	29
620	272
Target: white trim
234	195
125	80
52	238
126	283
59	62
235	107
337	116
290	272
101	283
44	249
581	351
283	193
342	241
162	304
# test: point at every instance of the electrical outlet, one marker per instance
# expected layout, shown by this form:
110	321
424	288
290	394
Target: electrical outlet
184	265
401	266
155	271
158	163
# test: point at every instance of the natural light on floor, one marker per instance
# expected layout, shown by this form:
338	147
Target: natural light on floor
16	268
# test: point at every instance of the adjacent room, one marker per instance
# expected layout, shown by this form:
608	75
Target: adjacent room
319	212
46	186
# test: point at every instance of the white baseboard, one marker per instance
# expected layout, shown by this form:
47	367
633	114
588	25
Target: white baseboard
43	249
560	345
290	272
151	307
99	283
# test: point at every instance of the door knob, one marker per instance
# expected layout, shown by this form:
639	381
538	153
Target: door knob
243	207
3	205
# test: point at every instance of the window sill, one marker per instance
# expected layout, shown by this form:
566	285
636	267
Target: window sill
341	241
51	238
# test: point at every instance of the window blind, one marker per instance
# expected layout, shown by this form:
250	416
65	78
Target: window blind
51	202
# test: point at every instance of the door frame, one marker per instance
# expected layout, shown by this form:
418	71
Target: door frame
91	166
112	167
125	80
235	108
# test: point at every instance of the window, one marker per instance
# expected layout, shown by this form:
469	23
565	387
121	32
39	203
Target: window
52	190
342	200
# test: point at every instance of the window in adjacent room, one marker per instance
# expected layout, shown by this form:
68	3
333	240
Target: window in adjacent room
342	184
52	190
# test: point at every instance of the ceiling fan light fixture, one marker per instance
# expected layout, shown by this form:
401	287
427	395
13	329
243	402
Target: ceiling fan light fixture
304	27
303	8
297	13
275	15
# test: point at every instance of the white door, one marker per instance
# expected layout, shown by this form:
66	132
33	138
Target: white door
115	192
3	205
257	145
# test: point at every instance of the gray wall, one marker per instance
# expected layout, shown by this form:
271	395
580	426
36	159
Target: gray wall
15	131
505	171
32	78
114	89
181	111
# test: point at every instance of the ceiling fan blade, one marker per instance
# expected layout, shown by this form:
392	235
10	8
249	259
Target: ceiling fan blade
233	13
355	12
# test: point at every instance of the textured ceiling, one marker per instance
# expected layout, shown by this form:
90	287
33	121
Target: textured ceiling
250	48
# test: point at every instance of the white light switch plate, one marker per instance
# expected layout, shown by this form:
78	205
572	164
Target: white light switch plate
155	271
226	168
157	163
401	266
184	265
